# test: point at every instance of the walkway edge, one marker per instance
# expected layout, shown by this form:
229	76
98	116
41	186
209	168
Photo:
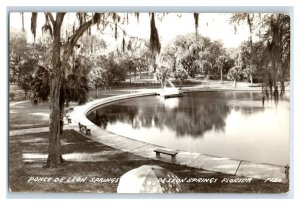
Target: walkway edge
197	160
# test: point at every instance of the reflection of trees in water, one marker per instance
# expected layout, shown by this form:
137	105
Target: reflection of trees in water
113	113
192	120
241	95
246	110
284	97
191	116
248	103
195	121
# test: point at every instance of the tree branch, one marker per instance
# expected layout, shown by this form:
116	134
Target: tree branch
60	18
74	38
51	18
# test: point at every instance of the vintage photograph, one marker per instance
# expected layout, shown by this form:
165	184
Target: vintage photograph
140	102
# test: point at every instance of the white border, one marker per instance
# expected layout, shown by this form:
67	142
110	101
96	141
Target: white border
145	3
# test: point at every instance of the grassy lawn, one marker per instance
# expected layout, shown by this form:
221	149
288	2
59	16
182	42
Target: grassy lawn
86	158
23	114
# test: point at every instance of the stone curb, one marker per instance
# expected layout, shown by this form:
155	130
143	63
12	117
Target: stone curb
196	160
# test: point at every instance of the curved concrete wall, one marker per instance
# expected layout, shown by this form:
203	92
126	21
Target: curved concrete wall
196	160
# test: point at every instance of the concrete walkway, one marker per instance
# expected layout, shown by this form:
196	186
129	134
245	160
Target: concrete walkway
196	160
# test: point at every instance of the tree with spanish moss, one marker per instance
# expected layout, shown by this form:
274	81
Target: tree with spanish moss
273	32
249	18
62	51
63	47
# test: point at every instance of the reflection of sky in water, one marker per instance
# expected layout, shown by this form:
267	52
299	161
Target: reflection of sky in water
227	124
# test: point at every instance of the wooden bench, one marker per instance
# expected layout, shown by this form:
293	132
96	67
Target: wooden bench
67	116
69	119
84	129
167	152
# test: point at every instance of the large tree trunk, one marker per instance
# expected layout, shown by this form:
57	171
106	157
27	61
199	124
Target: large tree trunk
56	122
56	100
57	91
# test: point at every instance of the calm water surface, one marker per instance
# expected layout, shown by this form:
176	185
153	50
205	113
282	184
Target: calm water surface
226	124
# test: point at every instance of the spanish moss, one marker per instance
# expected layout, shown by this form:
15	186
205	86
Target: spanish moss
116	31
123	45
196	18
82	18
47	27
97	19
137	15
22	16
114	16
154	38
33	24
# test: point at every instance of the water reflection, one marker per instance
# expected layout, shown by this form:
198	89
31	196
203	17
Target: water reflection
190	115
232	124
187	118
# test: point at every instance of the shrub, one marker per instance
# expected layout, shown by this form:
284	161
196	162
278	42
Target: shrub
12	96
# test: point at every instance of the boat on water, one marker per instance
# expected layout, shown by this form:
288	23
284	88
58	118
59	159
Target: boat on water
168	92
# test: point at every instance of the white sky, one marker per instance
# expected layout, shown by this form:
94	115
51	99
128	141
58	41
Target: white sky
213	25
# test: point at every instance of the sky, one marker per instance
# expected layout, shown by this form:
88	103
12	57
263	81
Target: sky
213	25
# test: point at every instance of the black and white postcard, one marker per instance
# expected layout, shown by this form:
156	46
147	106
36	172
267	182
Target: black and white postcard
149	102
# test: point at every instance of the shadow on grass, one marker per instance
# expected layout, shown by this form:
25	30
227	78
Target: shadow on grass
87	160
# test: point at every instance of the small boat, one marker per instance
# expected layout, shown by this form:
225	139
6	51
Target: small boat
170	92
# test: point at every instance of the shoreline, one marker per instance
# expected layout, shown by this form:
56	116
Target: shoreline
194	160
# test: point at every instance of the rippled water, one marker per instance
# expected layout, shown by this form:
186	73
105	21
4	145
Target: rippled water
227	124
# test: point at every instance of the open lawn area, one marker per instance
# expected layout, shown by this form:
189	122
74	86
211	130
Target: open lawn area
23	114
88	159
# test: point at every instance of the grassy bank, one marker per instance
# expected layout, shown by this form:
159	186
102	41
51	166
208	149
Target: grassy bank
23	114
86	158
